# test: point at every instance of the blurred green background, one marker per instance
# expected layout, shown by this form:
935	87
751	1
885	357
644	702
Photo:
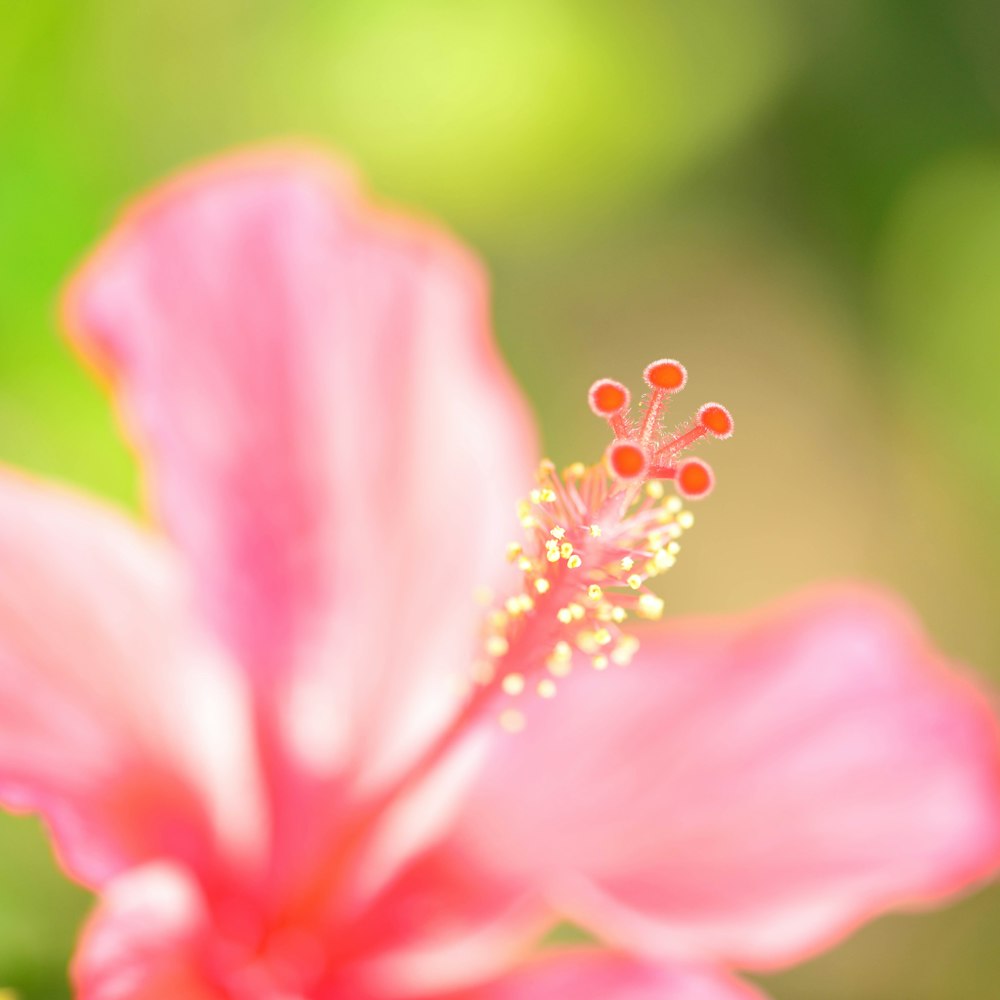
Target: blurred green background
801	200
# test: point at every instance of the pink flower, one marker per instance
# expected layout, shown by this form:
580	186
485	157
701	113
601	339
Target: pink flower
247	730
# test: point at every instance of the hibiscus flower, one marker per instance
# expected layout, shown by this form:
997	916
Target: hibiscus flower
294	758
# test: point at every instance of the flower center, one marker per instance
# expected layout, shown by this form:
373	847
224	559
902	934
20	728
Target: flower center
594	538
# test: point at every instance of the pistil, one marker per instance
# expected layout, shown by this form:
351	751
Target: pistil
595	537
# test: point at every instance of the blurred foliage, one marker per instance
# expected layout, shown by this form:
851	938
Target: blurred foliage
941	300
39	913
802	200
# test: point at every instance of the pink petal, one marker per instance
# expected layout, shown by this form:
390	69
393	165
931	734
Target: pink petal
441	924
603	976
144	941
123	728
152	938
749	790
329	432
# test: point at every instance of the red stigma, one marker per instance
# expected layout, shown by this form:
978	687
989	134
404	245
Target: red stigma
716	420
641	450
608	398
627	460
695	479
666	374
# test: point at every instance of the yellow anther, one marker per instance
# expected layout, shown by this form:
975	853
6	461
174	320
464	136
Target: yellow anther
552	555
654	489
575	471
542	585
551	544
595	531
559	668
483	672
650	606
560	658
535	496
513	550
547	688
525	565
558	532
634	581
513	606
594	592
663	560
673	548
627	563
498	619
525	603
528	522
577	611
497	645
600	662
674	505
625	650
546	467
674	531
618	614
566	550
602	637
564	615
685	519
512	720
548	496
574	562
587	641
513	684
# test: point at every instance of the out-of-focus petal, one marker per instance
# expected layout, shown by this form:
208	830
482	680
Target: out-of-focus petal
749	790
328	431
604	976
123	727
144	941
441	924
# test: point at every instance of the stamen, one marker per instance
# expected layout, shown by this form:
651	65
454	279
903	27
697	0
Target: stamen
512	720
610	399
594	540
695	479
666	374
663	377
716	420
547	688
627	460
648	454
513	684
